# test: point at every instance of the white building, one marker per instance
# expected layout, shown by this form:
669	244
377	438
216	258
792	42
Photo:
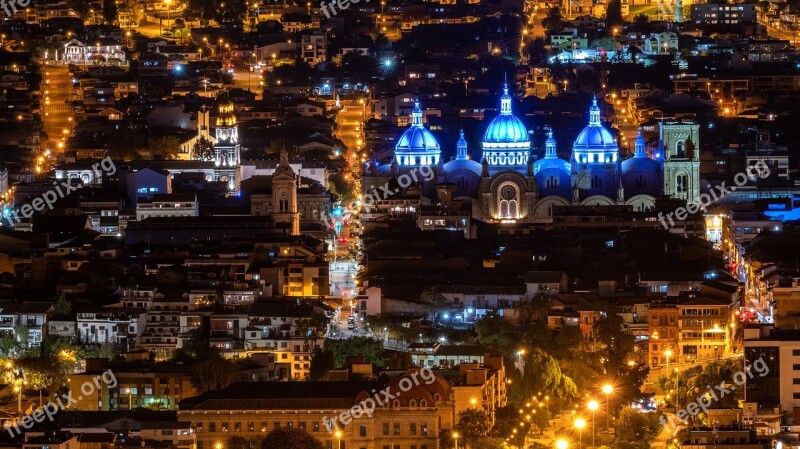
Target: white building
168	205
96	51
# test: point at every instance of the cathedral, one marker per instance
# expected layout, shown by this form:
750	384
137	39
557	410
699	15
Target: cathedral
509	184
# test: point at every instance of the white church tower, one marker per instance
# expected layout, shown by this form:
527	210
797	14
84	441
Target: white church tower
227	152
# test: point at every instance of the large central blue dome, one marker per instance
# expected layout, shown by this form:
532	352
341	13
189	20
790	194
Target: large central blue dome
506	128
506	142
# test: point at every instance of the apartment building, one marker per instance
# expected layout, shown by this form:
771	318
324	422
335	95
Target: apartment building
703	330
250	410
663	328
115	326
139	384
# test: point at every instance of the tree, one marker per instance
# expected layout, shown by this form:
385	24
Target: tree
614	13
617	344
369	348
341	187
321	363
494	330
164	147
203	149
553	23
290	438
62	307
110	11
634	425
214	374
472	424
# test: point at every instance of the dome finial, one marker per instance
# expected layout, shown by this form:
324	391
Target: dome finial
550	144
461	146
594	113
416	114
638	145
505	100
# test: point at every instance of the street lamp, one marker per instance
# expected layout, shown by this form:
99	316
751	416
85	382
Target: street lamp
607	390
593	406
562	444
338	435
167	2
580	423
455	439
668	354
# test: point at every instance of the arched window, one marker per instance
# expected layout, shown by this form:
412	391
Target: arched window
508	204
551	182
641	182
682	184
597	183
681	147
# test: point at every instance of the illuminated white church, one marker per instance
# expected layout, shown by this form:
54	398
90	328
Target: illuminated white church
510	184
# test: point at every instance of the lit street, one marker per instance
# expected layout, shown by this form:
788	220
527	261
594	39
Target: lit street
57	115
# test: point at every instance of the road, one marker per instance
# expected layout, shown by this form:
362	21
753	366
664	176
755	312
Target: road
777	32
56	114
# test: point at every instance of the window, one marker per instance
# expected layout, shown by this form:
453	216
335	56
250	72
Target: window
315	426
424	429
396	428
237	427
212	427
251	427
796	352
682	184
386	428
508	201
413	428
362	431
224	427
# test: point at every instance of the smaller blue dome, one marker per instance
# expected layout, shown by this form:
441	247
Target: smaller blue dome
417	146
595	138
463	164
417	139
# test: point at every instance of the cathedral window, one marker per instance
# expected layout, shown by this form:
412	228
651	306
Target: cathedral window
641	182
551	183
508	202
596	183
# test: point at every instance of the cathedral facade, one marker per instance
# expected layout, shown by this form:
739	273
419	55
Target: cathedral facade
509	184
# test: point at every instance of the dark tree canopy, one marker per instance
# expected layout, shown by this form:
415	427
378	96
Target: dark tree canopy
286	438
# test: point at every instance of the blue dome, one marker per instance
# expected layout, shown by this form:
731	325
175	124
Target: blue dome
463	164
416	139
551	159
417	146
595	138
595	144
506	128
